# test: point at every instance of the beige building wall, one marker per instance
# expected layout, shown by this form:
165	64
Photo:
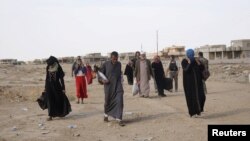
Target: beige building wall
126	56
94	58
244	45
8	61
212	52
239	49
177	51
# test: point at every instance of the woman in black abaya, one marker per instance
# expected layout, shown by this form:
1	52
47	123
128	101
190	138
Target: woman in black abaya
192	83
57	102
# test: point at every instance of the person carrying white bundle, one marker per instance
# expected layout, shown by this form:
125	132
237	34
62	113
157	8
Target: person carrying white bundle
110	73
102	76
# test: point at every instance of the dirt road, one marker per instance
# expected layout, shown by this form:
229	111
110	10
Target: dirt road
152	119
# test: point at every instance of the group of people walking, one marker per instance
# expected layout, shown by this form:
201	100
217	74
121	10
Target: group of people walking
195	73
139	70
142	70
55	98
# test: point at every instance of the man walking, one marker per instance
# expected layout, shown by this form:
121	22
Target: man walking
173	70
206	73
143	73
113	89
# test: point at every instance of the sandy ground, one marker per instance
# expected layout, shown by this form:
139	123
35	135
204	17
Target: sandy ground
152	119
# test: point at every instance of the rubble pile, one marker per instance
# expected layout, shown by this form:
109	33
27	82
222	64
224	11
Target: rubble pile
230	72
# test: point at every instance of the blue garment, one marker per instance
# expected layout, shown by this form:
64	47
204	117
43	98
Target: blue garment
190	54
79	68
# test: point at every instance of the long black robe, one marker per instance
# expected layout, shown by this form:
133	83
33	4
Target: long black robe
57	102
129	72
113	90
159	76
193	87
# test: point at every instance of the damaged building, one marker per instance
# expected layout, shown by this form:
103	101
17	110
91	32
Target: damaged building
239	49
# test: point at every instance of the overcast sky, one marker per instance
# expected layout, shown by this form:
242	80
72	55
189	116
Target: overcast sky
32	29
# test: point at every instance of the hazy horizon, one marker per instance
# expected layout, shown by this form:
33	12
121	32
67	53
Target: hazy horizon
31	29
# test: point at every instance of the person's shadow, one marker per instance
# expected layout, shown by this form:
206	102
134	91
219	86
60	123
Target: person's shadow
142	118
227	113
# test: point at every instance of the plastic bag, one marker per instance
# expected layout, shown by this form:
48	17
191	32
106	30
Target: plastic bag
102	76
135	88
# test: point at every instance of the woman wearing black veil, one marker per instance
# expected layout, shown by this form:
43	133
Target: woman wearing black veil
57	102
192	83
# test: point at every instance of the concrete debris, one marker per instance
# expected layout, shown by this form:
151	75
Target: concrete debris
46	132
76	135
229	73
72	126
25	109
14	128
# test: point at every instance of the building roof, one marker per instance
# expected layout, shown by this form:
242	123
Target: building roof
240	40
174	46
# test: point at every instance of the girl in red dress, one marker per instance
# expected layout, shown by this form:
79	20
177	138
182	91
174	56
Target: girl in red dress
81	88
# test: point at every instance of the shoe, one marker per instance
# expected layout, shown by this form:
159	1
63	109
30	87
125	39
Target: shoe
162	95
121	123
106	119
82	102
171	90
77	102
195	116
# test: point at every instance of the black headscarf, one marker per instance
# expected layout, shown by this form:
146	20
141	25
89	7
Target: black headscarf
52	60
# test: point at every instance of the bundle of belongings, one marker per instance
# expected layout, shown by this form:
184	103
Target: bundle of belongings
42	101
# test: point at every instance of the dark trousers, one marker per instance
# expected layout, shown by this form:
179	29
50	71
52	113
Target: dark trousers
174	76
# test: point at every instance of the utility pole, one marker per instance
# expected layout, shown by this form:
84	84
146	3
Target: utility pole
141	47
157	42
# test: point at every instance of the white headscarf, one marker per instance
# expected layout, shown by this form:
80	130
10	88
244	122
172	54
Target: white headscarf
143	55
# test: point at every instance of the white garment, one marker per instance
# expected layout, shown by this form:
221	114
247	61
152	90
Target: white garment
144	80
79	73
